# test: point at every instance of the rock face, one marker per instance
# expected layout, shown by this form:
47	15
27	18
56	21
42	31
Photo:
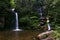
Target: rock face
45	35
2	21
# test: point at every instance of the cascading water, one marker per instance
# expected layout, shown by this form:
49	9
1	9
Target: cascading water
16	21
41	11
49	28
17	27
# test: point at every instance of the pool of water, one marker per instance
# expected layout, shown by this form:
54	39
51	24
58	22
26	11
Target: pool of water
22	35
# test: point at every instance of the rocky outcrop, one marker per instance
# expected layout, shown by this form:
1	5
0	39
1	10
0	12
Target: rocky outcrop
46	35
2	22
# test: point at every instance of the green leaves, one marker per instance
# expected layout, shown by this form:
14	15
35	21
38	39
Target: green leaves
12	3
28	11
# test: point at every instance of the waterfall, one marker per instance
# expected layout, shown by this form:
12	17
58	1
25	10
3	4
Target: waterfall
16	18
49	28
41	11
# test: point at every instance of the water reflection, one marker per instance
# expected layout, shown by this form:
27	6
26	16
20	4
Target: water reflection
17	35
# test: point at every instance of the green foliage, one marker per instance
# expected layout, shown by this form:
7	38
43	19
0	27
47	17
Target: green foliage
56	35
12	3
28	14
